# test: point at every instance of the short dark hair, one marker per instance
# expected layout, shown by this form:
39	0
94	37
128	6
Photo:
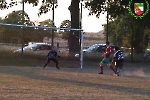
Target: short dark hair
117	48
107	43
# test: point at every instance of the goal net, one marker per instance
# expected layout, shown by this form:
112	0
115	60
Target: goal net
32	44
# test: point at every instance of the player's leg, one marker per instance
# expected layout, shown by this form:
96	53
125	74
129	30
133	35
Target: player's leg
48	60
116	69
101	66
55	60
120	66
110	65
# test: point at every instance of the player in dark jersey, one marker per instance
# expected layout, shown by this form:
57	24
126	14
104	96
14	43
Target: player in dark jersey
118	59
52	56
106	59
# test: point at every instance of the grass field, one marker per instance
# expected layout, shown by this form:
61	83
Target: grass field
36	83
23	78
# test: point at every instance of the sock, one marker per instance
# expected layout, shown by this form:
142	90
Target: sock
57	65
101	68
112	68
44	65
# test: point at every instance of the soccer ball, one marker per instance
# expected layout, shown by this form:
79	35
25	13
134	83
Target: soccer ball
76	55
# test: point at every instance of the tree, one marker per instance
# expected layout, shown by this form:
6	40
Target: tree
1	29
11	31
73	40
74	11
5	5
48	22
115	10
1	19
65	24
16	18
46	7
147	38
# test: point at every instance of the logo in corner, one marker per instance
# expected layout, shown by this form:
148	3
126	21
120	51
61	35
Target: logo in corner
139	9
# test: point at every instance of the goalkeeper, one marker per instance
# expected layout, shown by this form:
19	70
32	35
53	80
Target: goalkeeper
52	56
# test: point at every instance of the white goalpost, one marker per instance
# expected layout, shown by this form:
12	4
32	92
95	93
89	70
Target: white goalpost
55	28
82	45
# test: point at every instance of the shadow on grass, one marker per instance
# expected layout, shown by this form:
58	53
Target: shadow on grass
18	60
30	73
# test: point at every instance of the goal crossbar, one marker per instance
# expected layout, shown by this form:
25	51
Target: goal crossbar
43	27
54	28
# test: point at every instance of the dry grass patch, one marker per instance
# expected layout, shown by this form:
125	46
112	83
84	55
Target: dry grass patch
35	83
21	79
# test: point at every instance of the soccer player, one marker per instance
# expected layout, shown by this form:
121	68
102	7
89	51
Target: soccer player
52	56
118	59
106	59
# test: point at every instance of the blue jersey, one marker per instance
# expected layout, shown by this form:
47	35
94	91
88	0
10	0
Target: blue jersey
118	56
52	54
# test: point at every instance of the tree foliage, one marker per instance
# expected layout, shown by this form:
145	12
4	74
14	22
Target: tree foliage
7	33
16	18
122	25
46	7
65	24
49	23
11	31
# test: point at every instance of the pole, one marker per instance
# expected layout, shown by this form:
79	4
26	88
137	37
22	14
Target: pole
81	16
132	48
53	24
22	27
132	42
81	40
80	23
107	24
82	45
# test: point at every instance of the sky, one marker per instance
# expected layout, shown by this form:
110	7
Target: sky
89	23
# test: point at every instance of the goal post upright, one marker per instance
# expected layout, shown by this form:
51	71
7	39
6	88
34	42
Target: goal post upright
55	28
81	51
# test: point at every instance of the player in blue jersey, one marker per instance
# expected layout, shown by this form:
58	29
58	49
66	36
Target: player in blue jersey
118	59
52	56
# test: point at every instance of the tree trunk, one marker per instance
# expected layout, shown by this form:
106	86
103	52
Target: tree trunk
138	42
74	35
